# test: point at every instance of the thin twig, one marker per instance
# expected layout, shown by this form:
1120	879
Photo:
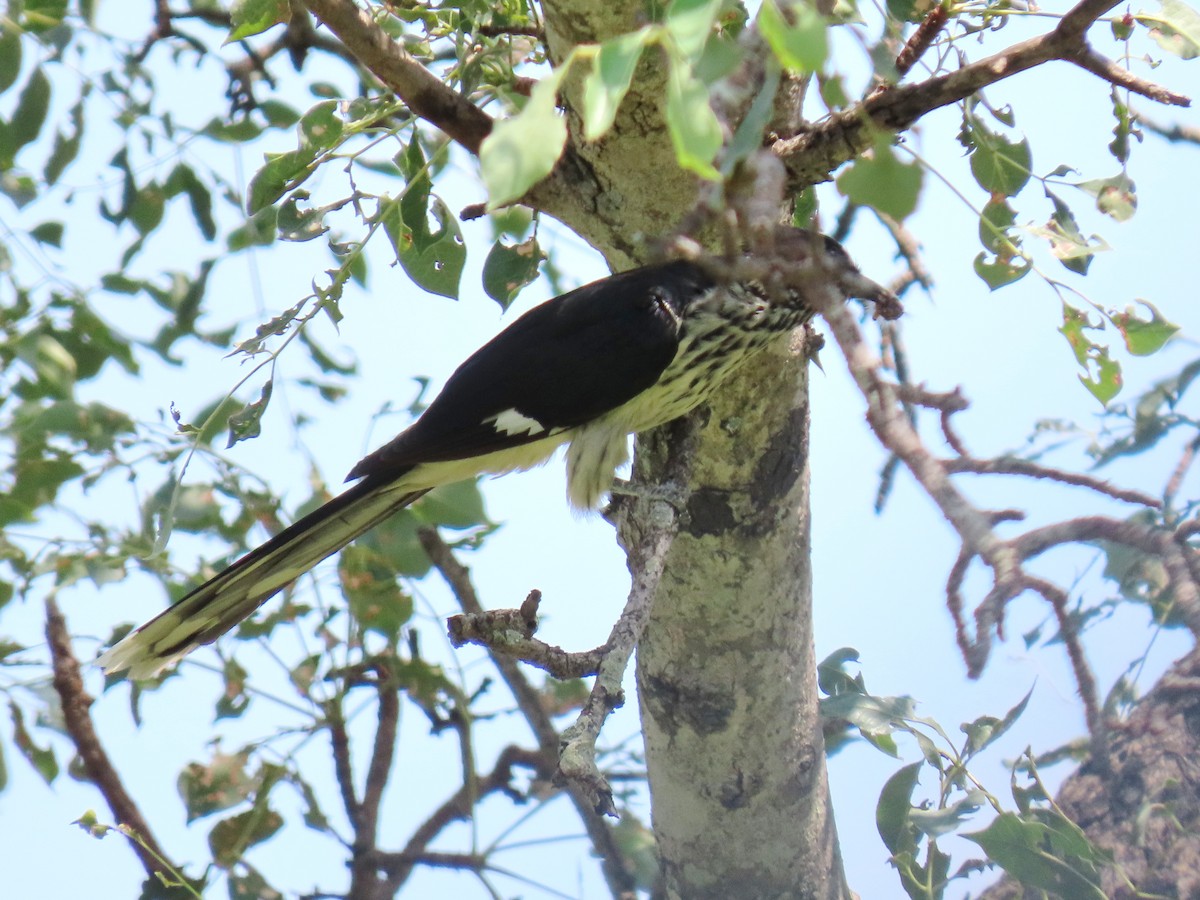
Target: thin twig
1010	466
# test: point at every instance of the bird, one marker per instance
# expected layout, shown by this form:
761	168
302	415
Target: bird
588	368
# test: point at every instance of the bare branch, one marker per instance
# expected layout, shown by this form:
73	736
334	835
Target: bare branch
510	632
399	865
77	719
1012	466
1175	132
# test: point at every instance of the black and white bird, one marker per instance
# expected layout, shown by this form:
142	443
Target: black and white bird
586	369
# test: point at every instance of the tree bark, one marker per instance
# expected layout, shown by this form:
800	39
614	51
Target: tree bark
726	669
1146	811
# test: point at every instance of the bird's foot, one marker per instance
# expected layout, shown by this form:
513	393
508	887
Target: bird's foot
623	491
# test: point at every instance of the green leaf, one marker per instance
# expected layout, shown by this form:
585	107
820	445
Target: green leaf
694	128
432	258
246	423
796	36
376	600
296	224
1067	242
608	81
396	540
1150	421
258	231
894	808
1075	322
1103	378
1116	196
882	182
236	132
804	208
509	267
752	129
48	233
248	17
1144	337
223	783
523	149
832	677
999	271
1176	29
10	56
458	505
233	700
41	758
146	210
183	179
65	148
278	114
1045	855
251	886
1125	127
995	228
689	23
27	118
42	15
281	173
1000	165
987	729
937	821
232	837
321	128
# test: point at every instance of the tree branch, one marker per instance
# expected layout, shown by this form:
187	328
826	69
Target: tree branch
100	771
510	632
421	90
616	868
812	156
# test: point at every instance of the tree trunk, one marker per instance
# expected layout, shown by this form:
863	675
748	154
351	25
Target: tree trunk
726	669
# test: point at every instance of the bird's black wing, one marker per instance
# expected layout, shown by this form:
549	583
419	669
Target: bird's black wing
563	363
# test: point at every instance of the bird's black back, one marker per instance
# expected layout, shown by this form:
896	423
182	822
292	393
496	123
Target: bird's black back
561	364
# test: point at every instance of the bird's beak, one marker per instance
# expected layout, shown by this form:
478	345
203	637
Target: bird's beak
856	284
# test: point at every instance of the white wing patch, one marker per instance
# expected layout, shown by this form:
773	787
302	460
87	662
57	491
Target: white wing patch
511	422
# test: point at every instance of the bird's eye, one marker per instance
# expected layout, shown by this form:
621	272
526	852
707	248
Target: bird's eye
656	296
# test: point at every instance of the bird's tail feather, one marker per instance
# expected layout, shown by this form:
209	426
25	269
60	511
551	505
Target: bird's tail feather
233	595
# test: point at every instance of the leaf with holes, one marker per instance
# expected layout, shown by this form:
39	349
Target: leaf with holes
41	758
1115	197
1176	29
431	257
509	267
1144	336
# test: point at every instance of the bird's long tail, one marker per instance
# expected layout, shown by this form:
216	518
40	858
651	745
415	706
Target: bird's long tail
233	595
